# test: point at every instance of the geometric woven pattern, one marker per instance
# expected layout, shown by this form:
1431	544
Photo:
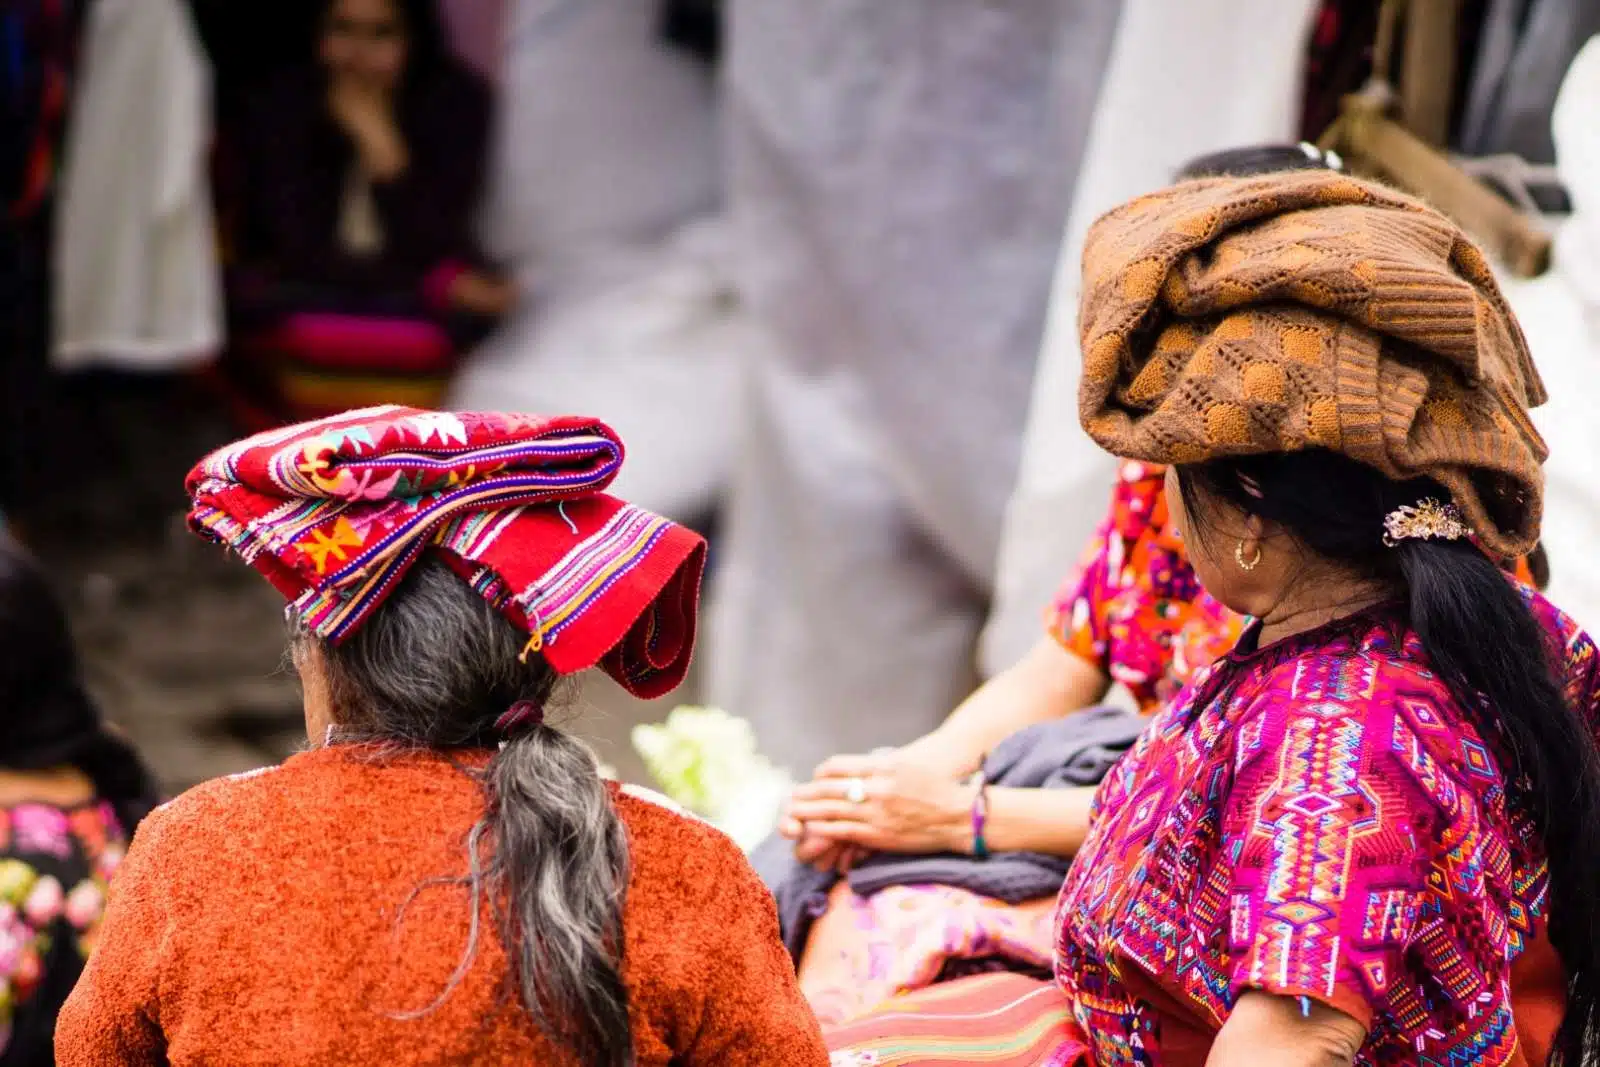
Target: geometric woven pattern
1316	819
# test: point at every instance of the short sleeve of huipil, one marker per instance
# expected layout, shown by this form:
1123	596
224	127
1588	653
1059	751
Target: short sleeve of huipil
1077	617
1333	832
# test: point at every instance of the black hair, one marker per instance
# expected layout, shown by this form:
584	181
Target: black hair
51	720
1259	159
434	667
1483	641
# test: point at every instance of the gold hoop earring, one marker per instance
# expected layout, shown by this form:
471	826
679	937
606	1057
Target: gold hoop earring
1238	555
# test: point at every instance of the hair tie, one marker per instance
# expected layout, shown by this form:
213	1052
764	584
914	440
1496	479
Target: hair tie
519	718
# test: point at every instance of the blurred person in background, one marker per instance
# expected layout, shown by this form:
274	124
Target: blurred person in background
898	175
444	877
358	278
71	794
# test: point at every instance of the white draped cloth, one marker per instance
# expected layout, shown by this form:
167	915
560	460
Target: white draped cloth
900	171
1185	79
1560	313
605	196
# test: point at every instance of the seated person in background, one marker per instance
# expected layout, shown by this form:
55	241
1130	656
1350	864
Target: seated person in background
444	877
71	792
1368	833
357	278
1134	615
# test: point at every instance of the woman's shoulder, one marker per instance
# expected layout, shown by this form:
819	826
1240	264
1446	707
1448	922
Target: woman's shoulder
658	825
289	94
208	815
455	83
449	97
1361	662
678	858
322	786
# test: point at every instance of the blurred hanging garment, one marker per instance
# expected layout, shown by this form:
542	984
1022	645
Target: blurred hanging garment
605	188
137	283
38	44
1182	82
899	175
1525	49
1560	313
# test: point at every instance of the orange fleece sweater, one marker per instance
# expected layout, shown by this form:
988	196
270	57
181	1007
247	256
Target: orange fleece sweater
264	920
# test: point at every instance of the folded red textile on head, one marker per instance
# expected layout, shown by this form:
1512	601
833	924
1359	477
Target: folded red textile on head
334	512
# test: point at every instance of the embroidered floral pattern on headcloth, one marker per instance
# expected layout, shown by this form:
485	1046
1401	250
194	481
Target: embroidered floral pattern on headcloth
334	512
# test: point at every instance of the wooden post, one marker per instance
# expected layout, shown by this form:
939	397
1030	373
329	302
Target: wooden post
1428	73
1367	135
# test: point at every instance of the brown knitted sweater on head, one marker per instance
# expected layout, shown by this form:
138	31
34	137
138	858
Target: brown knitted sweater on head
1248	315
264	920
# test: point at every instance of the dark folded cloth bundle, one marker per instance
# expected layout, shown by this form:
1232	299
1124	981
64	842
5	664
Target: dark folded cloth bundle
1075	751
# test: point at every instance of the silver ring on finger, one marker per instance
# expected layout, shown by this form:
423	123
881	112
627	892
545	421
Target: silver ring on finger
855	790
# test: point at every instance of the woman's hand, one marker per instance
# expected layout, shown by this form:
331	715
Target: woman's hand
882	803
366	113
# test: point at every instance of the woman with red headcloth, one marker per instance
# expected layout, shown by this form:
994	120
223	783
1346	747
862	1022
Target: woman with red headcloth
443	877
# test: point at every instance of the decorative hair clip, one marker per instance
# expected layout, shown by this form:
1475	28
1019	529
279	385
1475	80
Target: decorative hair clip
1427	519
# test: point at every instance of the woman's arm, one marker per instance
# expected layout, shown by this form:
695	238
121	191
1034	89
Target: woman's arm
429	208
1271	1031
1048	683
910	810
1052	821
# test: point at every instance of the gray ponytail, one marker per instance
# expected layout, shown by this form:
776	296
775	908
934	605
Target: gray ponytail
433	668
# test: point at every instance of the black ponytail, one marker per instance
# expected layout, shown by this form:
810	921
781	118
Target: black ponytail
1485	644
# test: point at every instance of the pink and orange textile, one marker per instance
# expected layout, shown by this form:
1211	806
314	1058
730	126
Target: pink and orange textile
334	512
1002	1020
865	950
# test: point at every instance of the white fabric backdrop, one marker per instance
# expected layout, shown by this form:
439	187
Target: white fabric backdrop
1184	79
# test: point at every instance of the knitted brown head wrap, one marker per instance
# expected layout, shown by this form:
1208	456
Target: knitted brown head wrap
1236	316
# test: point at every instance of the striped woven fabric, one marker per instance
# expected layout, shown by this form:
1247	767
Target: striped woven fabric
1002	1020
334	512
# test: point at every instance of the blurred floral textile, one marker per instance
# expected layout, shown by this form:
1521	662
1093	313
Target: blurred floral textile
706	760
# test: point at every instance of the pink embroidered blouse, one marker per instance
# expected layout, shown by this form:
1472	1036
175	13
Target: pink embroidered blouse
1320	819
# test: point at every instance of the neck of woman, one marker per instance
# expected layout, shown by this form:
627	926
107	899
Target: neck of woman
1317	600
